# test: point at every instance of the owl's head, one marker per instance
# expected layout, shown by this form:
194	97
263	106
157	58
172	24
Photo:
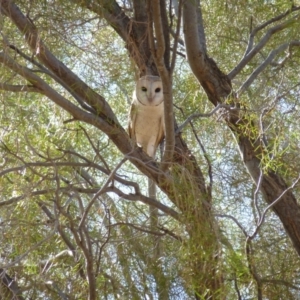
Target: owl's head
149	90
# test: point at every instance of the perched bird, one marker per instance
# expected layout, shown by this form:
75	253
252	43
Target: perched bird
147	128
146	119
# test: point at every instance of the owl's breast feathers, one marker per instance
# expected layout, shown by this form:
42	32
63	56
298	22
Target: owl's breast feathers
146	126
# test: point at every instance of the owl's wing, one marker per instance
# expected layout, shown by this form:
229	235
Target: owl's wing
161	132
132	120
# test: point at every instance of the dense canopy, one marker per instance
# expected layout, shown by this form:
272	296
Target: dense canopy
74	217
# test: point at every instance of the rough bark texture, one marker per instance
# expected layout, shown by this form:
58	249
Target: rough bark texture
218	88
186	185
184	182
194	206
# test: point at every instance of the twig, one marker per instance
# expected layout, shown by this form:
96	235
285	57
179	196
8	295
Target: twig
202	115
235	221
31	249
109	179
149	201
255	197
270	206
264	64
176	37
263	41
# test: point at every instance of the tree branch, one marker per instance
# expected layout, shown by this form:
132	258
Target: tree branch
176	37
166	78
54	77
216	84
30	32
19	258
108	180
11	285
265	24
201	32
45	89
263	41
146	200
264	64
203	115
19	88
262	218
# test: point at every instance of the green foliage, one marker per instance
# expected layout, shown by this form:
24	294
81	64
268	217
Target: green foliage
52	167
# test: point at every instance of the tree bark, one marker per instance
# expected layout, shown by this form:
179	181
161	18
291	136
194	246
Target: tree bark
218	88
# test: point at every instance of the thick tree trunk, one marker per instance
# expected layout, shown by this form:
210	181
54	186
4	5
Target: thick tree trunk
186	185
218	88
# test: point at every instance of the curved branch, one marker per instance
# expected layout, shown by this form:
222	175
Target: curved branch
149	201
28	29
203	115
216	84
54	77
264	64
263	41
235	221
92	201
264	25
45	89
88	164
262	218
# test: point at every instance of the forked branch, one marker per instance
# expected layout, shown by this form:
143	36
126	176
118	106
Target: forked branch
252	51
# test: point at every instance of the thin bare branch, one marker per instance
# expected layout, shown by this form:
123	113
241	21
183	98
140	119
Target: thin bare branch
176	37
248	56
87	164
202	115
264	64
19	258
262	218
44	70
109	179
255	196
146	200
234	220
252	267
138	228
265	24
52	94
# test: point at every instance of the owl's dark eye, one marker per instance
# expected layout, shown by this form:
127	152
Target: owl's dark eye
144	89
157	90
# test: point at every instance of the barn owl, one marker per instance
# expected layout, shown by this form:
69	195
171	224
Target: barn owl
146	120
146	127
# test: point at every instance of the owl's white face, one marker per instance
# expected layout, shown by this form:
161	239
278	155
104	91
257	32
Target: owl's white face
149	91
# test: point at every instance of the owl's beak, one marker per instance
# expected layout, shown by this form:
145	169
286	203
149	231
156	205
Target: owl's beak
150	97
